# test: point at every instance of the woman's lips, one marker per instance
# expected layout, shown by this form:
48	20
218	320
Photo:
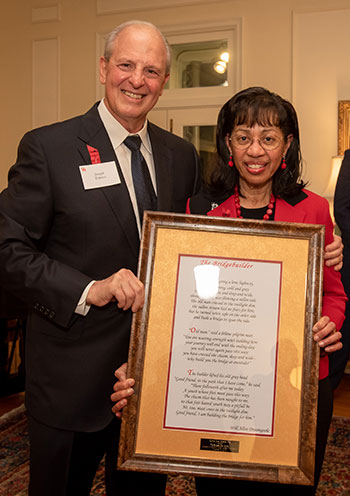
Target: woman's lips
255	168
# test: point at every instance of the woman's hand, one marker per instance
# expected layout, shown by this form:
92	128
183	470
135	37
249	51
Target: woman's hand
122	390
326	335
333	253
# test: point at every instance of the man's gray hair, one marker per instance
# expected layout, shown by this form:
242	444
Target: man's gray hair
109	44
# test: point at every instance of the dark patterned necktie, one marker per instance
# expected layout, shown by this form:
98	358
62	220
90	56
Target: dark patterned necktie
144	191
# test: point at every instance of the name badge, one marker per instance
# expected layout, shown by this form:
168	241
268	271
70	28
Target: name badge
99	175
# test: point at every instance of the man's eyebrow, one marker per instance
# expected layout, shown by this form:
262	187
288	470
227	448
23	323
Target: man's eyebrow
121	60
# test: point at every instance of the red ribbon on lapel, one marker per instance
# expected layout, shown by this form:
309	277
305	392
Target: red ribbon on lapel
94	155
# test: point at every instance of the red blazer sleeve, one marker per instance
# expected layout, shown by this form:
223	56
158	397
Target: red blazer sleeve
314	209
334	298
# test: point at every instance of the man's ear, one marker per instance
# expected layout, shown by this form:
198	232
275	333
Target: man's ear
103	70
166	79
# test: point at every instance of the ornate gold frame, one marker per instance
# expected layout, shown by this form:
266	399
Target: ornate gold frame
144	444
343	126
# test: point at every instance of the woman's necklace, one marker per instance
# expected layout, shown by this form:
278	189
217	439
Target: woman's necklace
269	210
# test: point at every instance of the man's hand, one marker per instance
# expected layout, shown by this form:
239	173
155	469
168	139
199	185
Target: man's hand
326	335
122	390
122	286
333	253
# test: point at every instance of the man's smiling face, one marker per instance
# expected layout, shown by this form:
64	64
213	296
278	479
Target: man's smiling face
135	75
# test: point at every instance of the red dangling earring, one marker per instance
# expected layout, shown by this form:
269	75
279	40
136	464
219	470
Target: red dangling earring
283	164
230	161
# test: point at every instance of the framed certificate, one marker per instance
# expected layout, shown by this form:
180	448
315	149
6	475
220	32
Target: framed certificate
222	352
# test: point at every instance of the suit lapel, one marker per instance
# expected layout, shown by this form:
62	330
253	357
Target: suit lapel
94	134
162	158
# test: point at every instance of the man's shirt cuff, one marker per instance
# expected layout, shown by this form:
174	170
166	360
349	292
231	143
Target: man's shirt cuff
82	308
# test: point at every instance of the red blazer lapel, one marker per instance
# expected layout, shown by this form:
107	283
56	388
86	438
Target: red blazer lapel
289	213
225	209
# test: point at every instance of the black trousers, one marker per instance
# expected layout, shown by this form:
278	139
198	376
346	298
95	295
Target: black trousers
338	359
64	463
230	487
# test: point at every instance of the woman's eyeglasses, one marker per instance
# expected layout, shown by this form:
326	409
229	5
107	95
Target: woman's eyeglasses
243	142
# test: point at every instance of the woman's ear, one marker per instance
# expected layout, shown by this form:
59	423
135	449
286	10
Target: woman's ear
228	143
288	143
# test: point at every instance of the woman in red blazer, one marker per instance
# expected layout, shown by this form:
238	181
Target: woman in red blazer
258	176
259	161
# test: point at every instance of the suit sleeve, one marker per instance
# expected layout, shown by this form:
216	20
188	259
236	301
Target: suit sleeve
342	198
334	298
26	214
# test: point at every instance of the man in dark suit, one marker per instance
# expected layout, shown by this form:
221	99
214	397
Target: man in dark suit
69	249
338	360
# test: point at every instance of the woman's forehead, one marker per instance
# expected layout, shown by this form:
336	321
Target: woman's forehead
257	127
265	117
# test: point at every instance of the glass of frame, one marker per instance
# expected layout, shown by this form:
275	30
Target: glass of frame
222	352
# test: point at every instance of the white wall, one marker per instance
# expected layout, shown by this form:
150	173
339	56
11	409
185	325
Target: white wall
321	77
297	48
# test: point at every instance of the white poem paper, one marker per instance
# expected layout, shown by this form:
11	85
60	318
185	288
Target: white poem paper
222	370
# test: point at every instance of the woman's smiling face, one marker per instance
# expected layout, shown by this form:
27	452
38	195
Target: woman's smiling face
257	152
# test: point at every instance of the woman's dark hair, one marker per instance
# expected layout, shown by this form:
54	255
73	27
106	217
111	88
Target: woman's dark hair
262	107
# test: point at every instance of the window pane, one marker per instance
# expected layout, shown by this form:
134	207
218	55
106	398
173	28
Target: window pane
199	64
203	138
